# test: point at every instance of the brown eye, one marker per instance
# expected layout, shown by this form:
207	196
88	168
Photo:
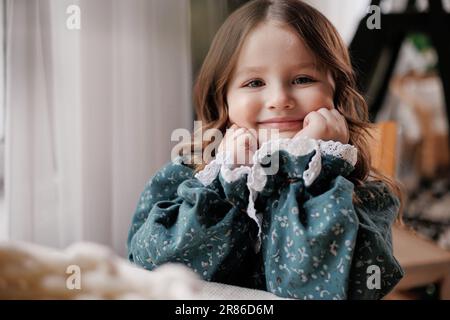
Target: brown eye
303	80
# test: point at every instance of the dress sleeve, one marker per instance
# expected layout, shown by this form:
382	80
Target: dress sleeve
375	271
180	219
317	243
309	231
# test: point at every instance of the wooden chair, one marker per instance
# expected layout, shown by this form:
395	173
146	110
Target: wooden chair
422	260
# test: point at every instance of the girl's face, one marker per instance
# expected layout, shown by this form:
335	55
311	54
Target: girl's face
276	82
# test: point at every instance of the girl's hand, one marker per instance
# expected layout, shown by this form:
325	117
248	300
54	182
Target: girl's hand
325	124
240	144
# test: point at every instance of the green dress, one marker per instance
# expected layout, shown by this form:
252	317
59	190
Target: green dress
287	224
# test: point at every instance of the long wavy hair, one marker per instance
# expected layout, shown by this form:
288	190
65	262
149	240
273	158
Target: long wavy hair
322	38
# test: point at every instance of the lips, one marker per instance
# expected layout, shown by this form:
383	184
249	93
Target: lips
282	123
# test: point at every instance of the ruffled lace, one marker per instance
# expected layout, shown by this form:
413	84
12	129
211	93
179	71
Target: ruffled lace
346	152
231	175
209	172
221	164
257	174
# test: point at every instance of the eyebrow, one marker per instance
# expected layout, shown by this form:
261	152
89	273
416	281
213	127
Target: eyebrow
261	69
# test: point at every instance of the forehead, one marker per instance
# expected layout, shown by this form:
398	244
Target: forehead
273	43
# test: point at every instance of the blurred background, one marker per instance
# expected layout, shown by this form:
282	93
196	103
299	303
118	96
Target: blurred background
91	90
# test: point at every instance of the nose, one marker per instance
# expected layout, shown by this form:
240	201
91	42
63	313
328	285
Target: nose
280	98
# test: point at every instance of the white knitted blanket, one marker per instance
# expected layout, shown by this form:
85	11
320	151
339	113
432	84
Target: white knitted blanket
91	271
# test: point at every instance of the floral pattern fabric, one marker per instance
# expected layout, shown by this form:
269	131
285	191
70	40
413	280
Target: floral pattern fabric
316	242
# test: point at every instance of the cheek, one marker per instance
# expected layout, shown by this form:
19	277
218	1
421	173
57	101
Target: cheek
243	110
316	98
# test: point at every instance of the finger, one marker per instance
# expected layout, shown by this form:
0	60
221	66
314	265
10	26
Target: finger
239	132
230	131
314	117
328	115
337	114
342	126
254	135
340	118
334	122
245	146
253	132
336	111
246	138
315	126
245	134
253	140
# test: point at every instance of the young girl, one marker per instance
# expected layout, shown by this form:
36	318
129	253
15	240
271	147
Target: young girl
317	227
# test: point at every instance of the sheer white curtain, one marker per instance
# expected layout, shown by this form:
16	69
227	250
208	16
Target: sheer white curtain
90	113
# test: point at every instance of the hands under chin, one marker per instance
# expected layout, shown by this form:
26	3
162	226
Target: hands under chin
323	124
